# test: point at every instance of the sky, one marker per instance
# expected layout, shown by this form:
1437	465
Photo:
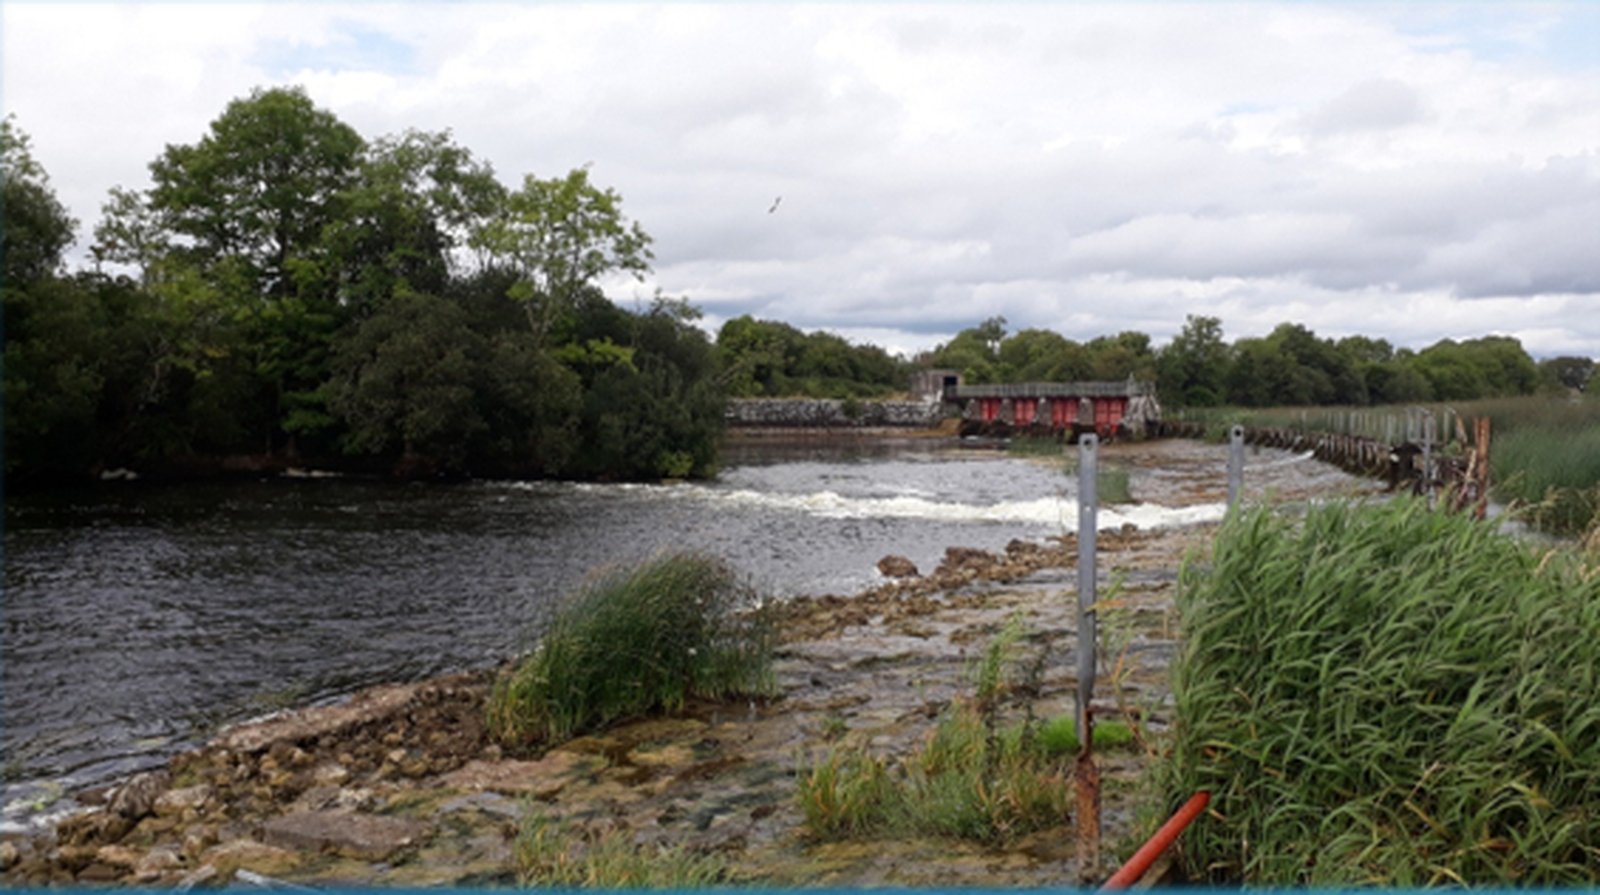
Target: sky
1413	172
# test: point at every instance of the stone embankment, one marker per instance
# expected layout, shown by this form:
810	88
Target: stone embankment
799	413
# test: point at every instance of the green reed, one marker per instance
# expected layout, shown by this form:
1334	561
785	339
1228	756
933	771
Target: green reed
634	642
1387	695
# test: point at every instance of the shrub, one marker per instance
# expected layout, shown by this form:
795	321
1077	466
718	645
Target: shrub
1387	695
635	642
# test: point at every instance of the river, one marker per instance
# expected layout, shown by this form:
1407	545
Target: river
140	618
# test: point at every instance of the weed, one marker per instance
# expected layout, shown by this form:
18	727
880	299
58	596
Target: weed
846	794
550	853
1058	737
632	643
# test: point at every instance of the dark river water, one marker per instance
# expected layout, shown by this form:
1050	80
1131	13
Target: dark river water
138	618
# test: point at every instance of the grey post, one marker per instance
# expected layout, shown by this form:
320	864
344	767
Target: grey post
1088	506
1427	455
1235	464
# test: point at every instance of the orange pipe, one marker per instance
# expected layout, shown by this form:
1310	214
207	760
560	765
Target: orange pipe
1147	853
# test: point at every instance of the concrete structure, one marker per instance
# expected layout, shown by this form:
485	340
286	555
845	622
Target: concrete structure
1108	409
930	385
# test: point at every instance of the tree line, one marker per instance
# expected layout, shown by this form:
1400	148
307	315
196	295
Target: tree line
286	290
1291	366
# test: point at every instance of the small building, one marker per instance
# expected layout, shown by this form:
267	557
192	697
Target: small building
932	385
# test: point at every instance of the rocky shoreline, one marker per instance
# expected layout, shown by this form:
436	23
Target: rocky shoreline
402	786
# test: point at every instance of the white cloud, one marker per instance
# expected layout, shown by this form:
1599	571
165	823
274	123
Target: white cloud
1398	172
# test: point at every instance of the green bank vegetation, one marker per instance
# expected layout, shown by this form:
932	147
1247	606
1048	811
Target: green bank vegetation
1387	695
1544	450
634	642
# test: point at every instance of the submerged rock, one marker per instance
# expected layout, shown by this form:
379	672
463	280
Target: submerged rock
897	566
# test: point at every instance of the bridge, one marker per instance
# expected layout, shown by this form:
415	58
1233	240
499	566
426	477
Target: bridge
1105	408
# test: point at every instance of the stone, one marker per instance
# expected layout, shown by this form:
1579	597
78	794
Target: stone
9	855
136	798
176	801
330	774
101	873
197	877
157	861
541	779
365	837
896	566
247	854
117	856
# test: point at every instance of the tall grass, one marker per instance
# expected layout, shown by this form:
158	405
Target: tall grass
1544	452
634	642
1387	695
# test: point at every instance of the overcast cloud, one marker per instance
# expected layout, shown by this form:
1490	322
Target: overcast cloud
1415	173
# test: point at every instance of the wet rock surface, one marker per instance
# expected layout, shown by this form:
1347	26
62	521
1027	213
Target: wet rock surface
401	786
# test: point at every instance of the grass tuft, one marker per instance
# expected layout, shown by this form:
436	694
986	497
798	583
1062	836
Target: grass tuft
635	642
553	854
1387	695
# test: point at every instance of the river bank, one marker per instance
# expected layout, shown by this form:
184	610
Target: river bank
400	786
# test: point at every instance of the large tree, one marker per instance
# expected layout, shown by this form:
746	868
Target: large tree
561	236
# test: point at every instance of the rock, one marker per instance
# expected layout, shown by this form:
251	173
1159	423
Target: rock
101	873
330	774
540	779
966	558
246	854
896	566
366	837
199	876
176	801
117	856
9	855
136	798
159	860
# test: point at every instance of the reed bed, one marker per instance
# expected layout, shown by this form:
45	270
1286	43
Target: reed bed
633	642
1544	453
1387	695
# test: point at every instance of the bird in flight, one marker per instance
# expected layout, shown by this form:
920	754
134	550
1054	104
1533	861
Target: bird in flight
775	203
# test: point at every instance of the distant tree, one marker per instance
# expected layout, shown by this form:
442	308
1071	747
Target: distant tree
1041	355
1192	370
1567	371
1126	354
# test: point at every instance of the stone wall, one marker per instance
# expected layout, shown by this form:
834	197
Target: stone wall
828	413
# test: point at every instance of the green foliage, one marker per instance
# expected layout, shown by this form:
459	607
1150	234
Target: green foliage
1387	695
1058	737
632	643
553	854
35	228
847	794
765	358
560	236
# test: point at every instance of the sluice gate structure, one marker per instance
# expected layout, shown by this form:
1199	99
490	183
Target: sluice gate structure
1068	409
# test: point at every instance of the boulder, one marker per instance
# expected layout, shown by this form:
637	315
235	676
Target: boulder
137	798
896	566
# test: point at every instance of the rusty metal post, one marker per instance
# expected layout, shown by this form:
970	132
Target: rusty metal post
1085	774
1235	464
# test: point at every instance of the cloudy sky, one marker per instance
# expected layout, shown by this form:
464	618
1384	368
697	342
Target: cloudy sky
1415	172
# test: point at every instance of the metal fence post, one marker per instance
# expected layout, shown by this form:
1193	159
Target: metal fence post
1427	455
1235	464
1085	774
